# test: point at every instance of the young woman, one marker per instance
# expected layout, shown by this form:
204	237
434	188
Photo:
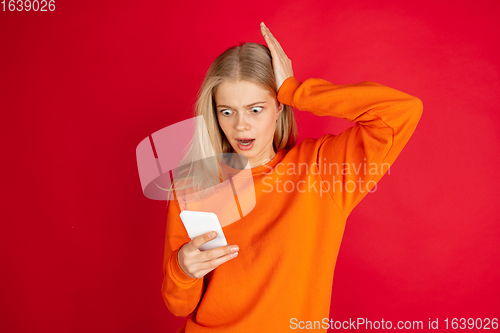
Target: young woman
276	274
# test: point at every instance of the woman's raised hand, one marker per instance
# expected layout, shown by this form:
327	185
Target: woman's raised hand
281	64
196	263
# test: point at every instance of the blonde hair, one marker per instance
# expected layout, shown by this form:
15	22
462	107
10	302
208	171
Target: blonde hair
247	61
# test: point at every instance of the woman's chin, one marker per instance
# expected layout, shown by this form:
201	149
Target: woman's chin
244	152
249	154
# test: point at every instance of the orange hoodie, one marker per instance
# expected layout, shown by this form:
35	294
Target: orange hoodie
281	279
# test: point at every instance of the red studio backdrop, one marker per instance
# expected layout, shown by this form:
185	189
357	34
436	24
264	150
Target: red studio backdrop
81	86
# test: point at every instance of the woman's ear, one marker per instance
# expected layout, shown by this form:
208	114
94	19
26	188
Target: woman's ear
280	109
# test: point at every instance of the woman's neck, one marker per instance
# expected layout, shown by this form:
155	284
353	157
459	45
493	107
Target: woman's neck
238	162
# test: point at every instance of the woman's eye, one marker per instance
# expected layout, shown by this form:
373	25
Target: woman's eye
226	112
258	108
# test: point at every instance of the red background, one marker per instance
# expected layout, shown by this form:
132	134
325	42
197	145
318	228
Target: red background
82	248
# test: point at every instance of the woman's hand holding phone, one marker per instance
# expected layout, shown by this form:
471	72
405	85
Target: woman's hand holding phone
196	263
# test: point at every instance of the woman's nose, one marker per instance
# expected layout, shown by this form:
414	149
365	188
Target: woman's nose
242	123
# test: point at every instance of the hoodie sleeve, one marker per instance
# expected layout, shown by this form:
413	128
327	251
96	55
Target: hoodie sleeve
352	162
180	292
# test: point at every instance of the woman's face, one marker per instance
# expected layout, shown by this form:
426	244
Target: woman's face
245	110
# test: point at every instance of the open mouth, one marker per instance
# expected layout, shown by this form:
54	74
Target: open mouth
245	142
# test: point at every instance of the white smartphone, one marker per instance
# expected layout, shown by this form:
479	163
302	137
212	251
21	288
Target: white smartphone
198	223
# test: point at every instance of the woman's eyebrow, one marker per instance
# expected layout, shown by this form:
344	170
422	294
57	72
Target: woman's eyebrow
249	105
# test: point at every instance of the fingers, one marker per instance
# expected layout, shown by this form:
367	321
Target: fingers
272	42
200	269
282	65
217	257
208	266
277	52
199	263
218	252
269	41
213	254
202	239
